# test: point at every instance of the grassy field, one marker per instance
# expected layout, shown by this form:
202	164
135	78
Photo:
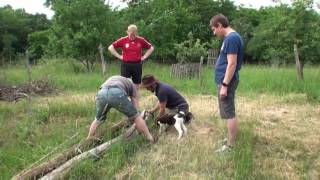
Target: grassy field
278	137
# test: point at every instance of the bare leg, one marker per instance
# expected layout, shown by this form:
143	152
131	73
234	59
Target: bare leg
93	127
141	126
232	131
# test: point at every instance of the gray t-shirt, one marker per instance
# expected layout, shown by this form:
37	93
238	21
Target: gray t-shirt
123	83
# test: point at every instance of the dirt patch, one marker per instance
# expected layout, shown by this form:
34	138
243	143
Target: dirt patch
14	93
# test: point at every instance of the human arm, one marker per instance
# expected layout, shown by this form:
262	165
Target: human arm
147	54
92	130
231	67
162	108
114	52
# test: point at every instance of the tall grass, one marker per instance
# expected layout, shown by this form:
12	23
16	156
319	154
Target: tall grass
68	74
31	129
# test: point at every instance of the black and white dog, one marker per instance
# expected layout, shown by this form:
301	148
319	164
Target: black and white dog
178	120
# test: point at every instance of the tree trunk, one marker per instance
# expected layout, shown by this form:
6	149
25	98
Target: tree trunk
103	64
298	64
60	172
87	65
38	171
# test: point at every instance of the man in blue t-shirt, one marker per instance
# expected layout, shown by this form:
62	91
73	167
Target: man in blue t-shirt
168	97
227	74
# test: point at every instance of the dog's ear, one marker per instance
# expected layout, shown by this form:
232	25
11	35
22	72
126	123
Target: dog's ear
188	117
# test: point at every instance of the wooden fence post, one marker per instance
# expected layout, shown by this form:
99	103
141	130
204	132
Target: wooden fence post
103	64
28	65
298	64
200	69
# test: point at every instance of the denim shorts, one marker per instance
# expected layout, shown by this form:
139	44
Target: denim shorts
226	105
114	97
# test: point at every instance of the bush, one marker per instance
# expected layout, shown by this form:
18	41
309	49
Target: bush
190	50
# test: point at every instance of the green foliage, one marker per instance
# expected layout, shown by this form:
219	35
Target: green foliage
190	50
280	28
79	26
14	29
38	42
78	29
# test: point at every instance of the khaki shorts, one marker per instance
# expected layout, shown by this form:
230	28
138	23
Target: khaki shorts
227	105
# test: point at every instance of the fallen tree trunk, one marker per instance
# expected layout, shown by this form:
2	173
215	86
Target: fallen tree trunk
46	167
60	172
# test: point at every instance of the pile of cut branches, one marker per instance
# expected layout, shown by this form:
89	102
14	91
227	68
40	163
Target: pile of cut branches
14	93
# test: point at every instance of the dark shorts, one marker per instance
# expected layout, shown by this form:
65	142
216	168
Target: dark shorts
227	105
114	97
182	107
132	70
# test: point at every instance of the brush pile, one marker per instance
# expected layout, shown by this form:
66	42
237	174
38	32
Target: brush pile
14	93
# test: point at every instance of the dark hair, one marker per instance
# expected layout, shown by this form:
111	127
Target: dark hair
219	18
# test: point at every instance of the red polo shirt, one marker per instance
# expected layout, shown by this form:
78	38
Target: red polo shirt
131	50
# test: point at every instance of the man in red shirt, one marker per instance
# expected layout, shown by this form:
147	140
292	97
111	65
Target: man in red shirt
132	47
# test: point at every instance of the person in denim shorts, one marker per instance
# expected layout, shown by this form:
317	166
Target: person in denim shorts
227	70
114	93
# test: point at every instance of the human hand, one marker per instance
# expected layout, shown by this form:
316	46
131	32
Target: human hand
91	136
223	92
149	112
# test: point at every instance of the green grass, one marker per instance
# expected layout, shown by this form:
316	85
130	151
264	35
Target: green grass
243	152
70	75
31	129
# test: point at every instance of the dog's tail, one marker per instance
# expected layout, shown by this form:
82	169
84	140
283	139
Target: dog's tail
188	117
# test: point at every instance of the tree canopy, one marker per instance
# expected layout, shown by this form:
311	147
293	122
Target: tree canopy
79	26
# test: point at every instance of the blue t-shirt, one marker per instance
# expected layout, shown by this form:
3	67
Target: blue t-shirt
166	93
232	44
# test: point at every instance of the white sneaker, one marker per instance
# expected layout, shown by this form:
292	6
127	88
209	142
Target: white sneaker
224	148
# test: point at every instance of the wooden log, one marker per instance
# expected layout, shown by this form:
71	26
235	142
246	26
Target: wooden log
60	172
38	171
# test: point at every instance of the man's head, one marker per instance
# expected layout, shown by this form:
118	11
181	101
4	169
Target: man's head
132	31
218	24
149	82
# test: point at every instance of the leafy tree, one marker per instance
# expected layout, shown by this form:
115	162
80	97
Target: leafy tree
190	50
38	42
78	28
15	25
283	26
